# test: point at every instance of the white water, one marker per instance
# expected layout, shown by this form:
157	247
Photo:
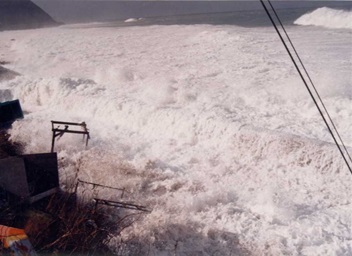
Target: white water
209	126
132	20
327	17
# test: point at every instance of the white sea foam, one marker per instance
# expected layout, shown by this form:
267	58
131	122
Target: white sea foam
327	17
131	20
207	125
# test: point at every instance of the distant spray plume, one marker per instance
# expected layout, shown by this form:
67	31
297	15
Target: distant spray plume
326	17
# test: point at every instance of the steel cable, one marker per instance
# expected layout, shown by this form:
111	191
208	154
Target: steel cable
307	86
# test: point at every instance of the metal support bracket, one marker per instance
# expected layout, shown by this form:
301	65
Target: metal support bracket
59	132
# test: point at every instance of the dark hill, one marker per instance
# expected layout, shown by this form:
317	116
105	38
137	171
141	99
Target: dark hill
23	14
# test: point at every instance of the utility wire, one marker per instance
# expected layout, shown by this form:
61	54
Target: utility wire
306	85
310	80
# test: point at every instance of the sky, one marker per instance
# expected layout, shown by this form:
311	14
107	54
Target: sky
70	11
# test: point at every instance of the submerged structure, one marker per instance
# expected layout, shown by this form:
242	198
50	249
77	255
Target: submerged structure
28	178
10	111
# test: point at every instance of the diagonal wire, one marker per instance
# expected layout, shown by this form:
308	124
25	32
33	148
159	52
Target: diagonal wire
310	80
306	85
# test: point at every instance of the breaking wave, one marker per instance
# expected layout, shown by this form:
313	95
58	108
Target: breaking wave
326	17
202	124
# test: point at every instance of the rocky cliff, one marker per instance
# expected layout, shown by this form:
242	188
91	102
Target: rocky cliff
23	14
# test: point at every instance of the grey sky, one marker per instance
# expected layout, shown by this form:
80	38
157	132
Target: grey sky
100	10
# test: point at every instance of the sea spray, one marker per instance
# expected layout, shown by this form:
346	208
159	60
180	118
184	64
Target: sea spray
206	125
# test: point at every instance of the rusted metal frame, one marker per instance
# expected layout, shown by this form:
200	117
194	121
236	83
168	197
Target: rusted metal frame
118	204
68	131
103	186
60	132
69	123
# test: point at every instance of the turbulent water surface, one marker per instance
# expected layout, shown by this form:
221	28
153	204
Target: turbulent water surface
207	125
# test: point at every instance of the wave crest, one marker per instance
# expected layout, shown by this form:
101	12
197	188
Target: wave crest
326	17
